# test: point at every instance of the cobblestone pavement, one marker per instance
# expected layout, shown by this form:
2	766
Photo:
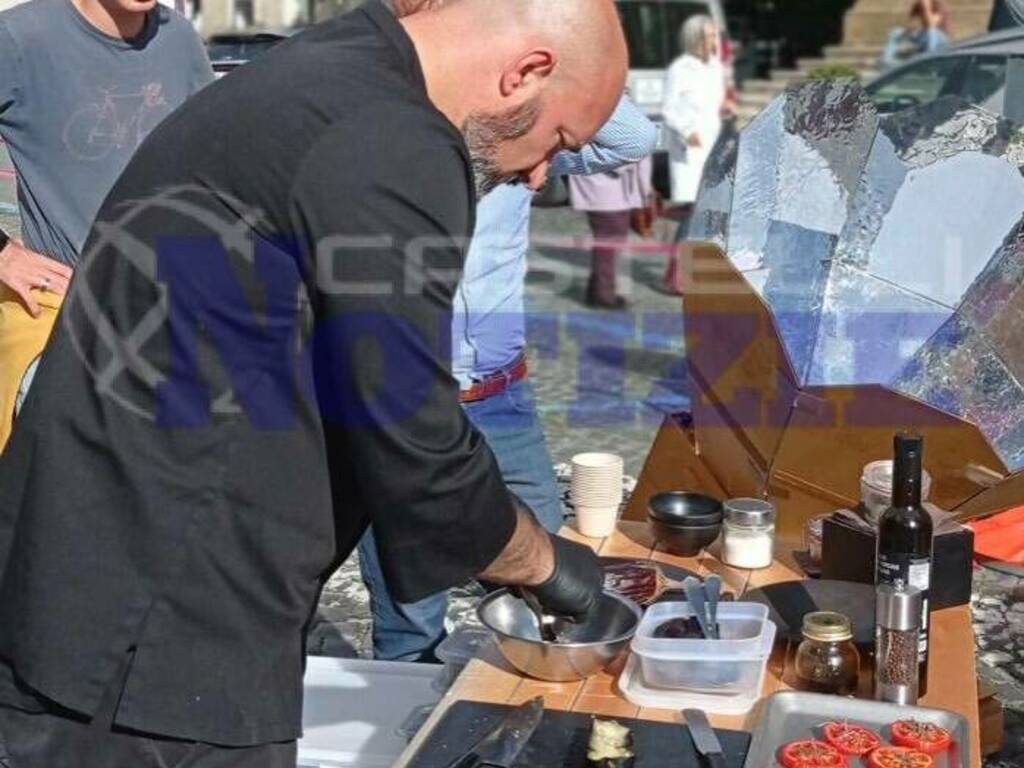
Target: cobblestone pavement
603	379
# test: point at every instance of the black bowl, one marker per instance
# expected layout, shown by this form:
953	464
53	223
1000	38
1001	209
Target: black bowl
689	509
684	540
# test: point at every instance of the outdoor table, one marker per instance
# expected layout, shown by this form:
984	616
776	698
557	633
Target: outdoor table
489	679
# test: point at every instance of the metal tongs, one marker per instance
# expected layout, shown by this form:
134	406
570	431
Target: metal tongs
550	627
703	598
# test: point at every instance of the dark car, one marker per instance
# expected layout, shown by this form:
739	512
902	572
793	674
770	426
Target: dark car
231	50
975	70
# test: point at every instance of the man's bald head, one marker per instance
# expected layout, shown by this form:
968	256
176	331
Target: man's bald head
550	71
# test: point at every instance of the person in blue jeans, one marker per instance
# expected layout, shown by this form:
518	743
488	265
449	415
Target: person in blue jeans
928	32
488	347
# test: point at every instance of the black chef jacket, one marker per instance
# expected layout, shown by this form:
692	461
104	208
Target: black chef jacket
251	365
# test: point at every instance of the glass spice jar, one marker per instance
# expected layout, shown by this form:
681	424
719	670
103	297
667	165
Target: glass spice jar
827	661
748	533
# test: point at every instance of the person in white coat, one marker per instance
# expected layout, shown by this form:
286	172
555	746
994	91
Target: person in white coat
695	100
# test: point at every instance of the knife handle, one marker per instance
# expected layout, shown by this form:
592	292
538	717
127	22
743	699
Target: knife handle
472	760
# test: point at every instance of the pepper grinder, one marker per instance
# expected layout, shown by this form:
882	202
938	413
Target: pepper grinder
897	629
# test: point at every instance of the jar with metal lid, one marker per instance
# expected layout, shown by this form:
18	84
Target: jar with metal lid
748	533
827	661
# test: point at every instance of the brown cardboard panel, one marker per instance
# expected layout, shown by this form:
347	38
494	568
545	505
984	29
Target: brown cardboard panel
672	465
728	455
797	502
835	431
1005	495
735	353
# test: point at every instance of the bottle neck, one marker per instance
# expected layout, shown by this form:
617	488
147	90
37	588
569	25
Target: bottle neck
906	472
906	493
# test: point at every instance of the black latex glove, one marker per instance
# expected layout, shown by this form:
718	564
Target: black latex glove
577	583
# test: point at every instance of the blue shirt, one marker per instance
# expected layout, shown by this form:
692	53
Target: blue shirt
489	324
76	103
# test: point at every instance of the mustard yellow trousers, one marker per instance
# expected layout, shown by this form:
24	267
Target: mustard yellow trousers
22	339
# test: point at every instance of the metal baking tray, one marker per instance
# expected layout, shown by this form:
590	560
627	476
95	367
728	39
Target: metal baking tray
791	715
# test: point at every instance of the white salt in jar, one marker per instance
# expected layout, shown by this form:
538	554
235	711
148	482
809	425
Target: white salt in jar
748	533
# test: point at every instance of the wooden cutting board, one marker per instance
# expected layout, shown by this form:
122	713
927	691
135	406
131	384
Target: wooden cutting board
560	740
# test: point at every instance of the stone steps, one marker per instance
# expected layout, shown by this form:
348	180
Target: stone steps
786	75
867	26
845	52
869	22
860	63
757	87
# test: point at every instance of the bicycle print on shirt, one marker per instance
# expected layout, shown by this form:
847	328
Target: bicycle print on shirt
116	121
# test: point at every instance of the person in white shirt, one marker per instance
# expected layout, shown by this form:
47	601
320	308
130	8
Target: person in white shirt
693	107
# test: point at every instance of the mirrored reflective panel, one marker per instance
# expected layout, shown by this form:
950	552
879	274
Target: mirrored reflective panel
796	270
869	329
884	174
995	303
881	246
712	211
958	371
991	321
946	128
837	122
916	139
753	199
945	223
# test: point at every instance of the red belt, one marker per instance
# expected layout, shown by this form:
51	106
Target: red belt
496	383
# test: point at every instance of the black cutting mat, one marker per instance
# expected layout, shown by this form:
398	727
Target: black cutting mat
789	601
560	740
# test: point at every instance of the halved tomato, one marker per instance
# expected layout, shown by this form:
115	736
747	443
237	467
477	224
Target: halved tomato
810	754
899	757
924	737
851	739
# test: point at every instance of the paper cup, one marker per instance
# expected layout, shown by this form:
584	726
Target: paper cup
606	497
596	480
601	462
597	522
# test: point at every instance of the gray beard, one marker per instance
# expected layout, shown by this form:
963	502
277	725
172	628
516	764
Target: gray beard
484	134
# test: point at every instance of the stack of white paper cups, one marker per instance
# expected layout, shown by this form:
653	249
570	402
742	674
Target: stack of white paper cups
596	492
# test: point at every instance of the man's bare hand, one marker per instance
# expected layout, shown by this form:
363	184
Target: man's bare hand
407	7
695	140
22	270
528	559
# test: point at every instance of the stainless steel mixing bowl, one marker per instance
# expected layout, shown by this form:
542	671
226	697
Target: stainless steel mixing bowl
589	647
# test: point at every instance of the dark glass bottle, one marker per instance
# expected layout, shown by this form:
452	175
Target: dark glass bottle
905	536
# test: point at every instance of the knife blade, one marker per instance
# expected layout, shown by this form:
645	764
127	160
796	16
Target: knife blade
502	746
704	738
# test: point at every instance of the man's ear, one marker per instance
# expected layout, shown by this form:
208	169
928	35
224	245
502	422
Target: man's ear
528	73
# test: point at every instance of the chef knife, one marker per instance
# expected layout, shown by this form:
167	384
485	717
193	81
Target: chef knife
502	746
704	738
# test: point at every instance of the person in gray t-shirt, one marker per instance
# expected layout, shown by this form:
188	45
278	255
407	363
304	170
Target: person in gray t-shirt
82	83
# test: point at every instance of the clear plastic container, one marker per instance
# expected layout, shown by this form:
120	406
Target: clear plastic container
729	666
458	649
362	714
